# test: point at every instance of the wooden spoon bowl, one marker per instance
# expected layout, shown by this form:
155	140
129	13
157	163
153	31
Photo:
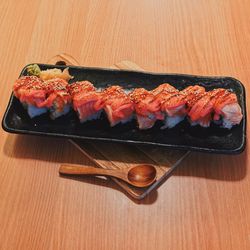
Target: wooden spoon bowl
142	175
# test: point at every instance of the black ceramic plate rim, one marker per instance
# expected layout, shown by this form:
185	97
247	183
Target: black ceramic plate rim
133	71
170	146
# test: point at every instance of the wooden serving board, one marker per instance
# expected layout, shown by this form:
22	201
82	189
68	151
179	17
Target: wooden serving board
117	156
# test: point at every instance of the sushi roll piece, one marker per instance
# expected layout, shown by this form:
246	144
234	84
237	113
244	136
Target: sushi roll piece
203	110
86	101
31	92
192	95
118	106
227	111
58	99
147	108
173	104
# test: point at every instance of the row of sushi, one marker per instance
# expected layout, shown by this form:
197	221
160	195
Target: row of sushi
164	103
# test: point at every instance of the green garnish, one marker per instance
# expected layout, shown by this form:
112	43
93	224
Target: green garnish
33	70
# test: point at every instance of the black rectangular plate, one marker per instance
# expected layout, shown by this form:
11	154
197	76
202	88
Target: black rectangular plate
213	139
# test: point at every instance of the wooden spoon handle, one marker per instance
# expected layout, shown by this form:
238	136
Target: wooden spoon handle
80	170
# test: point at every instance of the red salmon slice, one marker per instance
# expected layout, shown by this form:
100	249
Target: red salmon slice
118	106
30	90
80	87
192	95
86	101
171	99
147	107
173	104
205	105
56	92
58	99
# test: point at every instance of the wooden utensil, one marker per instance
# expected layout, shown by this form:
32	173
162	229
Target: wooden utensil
119	156
138	176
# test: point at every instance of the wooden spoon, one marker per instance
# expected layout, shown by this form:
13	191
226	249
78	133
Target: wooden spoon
138	176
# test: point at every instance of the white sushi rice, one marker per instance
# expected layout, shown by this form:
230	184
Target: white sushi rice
232	115
122	121
227	124
200	123
54	113
34	111
171	122
145	122
92	117
127	120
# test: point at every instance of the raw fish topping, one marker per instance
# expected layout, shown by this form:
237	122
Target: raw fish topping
164	103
